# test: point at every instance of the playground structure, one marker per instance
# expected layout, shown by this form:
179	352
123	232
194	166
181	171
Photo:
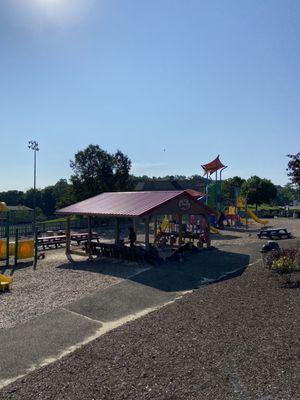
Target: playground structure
193	228
20	249
237	213
213	189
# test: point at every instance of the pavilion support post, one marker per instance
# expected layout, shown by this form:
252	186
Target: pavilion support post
89	236
208	243
68	237
147	233
155	229
117	231
135	225
180	230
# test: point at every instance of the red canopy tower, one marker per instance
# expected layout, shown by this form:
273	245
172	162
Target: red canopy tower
212	168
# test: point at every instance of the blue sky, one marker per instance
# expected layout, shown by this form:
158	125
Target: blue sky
197	78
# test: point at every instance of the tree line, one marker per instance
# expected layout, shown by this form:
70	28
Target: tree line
95	171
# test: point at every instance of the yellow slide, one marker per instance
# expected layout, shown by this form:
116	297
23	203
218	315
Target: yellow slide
255	217
5	282
165	224
214	230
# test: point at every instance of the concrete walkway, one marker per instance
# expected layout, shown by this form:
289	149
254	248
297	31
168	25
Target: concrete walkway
48	337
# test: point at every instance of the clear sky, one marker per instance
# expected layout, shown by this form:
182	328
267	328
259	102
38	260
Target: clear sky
195	77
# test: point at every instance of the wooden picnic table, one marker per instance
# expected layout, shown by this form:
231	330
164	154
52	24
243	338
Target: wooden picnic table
82	237
59	240
49	241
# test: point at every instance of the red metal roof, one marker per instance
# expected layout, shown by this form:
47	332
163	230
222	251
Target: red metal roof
213	166
127	204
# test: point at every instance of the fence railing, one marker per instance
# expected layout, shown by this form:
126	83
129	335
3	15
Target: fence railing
27	229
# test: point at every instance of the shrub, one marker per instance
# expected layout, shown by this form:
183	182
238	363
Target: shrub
283	261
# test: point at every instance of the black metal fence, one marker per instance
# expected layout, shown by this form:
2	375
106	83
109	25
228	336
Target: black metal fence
27	229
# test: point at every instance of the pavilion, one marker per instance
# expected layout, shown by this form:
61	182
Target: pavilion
139	206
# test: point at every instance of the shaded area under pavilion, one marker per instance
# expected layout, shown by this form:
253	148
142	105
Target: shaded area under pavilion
138	206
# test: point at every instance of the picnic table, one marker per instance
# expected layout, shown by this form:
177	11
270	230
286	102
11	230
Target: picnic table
50	241
59	240
83	237
280	233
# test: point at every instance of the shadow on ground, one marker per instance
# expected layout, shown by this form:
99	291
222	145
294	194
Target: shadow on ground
12	268
195	270
224	236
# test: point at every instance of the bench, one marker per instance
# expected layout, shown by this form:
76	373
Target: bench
281	233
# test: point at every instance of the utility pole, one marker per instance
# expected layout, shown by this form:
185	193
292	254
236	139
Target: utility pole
33	145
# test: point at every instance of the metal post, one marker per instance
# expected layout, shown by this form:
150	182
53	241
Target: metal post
216	190
16	246
68	235
34	191
206	189
90	237
35	249
7	238
33	145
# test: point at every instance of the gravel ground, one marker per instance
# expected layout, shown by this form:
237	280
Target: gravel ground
237	339
231	236
54	284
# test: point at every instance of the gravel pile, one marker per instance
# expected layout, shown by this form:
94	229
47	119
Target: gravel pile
237	339
54	284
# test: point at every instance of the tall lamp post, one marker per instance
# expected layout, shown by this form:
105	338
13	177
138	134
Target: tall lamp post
33	145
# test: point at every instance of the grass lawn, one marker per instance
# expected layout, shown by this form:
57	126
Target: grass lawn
61	219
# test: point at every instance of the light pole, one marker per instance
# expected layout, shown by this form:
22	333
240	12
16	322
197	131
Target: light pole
33	145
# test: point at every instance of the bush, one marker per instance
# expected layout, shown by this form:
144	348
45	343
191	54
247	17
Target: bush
284	261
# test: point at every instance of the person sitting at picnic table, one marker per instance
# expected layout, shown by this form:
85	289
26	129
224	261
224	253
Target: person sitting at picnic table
132	237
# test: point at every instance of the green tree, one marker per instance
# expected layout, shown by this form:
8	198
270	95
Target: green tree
258	190
122	165
293	169
230	185
48	201
63	193
96	171
29	196
285	194
12	197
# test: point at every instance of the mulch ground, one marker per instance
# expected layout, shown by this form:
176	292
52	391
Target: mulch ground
237	339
